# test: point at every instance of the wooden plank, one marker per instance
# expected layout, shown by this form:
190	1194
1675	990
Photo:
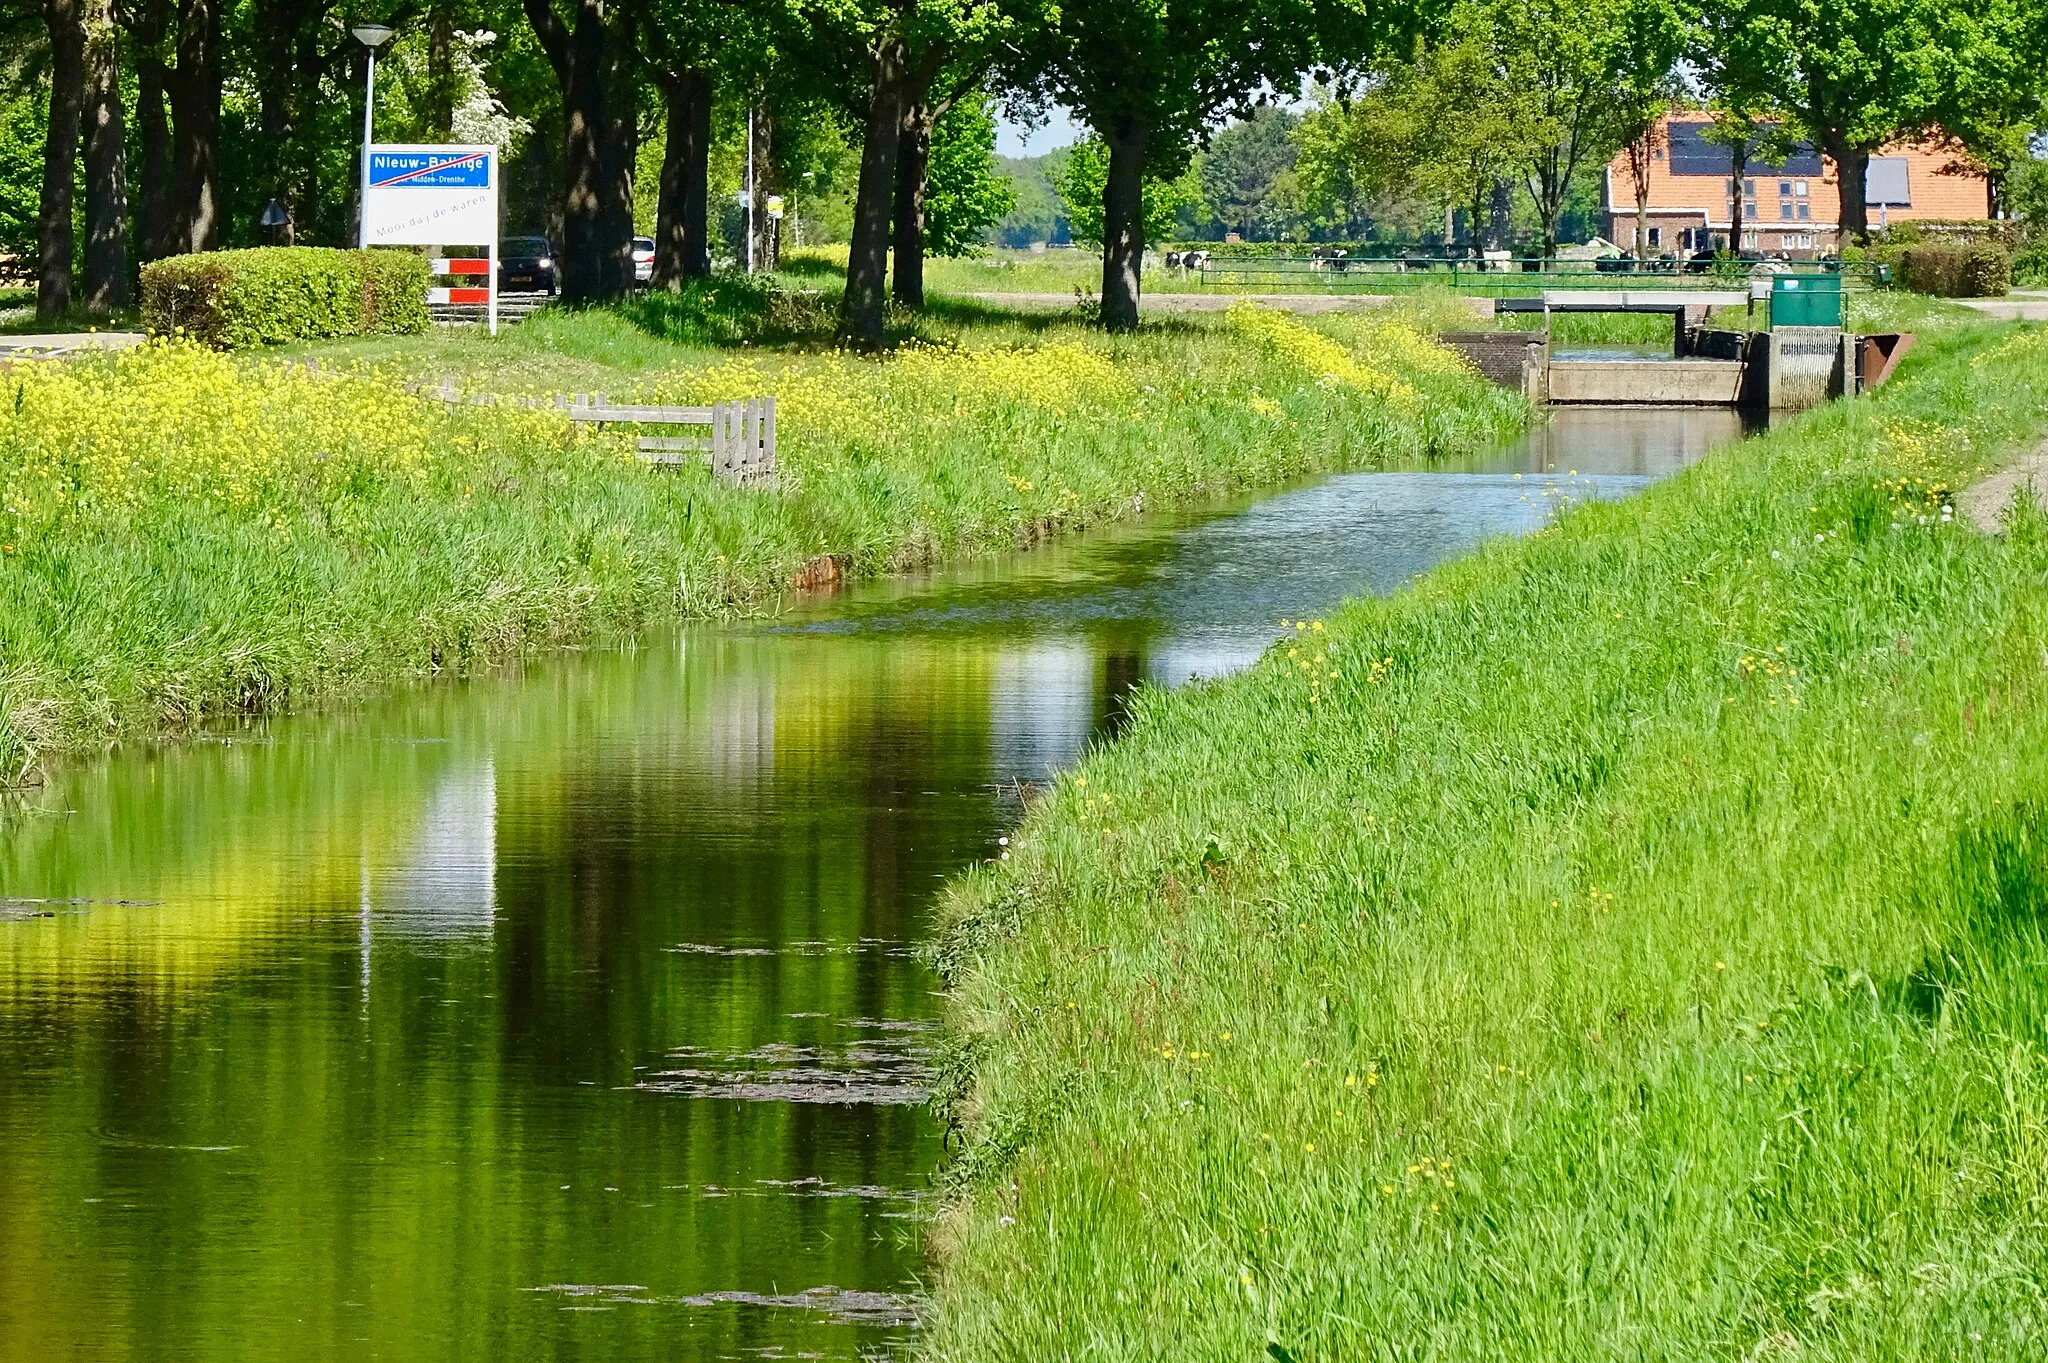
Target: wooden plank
686	442
653	416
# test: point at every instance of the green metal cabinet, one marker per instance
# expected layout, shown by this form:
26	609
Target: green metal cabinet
1806	300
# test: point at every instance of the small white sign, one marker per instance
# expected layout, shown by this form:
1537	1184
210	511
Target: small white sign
432	196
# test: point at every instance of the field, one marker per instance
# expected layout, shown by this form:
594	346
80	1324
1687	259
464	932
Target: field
1623	943
187	537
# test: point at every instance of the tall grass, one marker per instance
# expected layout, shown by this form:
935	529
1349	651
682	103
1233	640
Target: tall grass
1626	943
184	535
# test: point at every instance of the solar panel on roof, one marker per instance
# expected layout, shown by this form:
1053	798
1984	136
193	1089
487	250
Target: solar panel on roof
1692	154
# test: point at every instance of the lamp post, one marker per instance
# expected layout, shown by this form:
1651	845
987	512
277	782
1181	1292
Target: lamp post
372	36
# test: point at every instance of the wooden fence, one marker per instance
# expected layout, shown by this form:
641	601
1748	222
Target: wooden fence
740	441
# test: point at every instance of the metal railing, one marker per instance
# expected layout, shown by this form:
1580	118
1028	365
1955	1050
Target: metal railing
1503	278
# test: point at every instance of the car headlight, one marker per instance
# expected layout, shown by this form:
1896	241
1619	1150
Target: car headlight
546	263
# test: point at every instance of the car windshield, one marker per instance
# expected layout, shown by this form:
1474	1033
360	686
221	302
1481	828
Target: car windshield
643	243
525	246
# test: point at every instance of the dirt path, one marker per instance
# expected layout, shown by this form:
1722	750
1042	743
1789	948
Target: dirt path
1985	503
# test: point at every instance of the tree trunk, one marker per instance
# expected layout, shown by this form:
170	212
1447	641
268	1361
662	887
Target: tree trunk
195	128
1738	166
1852	170
681	240
913	164
767	230
621	155
153	231
1639	154
1123	224
275	69
1500	211
439	102
1547	188
106	169
867	257
577	55
54	235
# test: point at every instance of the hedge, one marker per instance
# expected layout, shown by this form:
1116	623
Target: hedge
1981	270
237	299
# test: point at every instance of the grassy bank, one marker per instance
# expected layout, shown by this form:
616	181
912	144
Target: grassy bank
185	535
1625	943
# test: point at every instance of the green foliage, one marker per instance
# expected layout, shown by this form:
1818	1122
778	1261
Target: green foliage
1080	180
1443	127
729	308
22	131
272	294
1038	214
965	193
1625	942
1248	180
1946	270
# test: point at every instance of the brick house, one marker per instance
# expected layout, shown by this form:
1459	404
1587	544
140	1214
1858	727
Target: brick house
1791	207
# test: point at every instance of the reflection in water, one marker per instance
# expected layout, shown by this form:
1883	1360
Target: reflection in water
574	1014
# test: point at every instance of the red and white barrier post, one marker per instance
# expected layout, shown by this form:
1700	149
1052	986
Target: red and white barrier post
468	267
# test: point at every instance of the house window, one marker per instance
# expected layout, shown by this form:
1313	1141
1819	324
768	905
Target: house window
1784	189
1799	188
1749	209
1784	208
1656	236
1805	210
1749	187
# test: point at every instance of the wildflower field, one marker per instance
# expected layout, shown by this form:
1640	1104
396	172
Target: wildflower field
185	535
1629	942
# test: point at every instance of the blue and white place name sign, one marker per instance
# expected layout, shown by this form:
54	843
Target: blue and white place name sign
432	196
429	170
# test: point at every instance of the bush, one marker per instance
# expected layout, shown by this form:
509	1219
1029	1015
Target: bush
237	299
1947	271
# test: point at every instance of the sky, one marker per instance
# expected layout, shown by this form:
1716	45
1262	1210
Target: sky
1013	139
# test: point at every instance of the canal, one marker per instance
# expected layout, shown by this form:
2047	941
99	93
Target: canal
574	1013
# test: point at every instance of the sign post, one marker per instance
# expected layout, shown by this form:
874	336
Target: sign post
434	196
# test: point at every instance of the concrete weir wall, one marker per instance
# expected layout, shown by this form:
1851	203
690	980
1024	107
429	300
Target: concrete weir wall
1786	370
1659	383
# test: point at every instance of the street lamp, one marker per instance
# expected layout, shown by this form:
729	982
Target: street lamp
372	36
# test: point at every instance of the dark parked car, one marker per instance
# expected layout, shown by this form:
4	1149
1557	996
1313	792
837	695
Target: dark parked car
526	263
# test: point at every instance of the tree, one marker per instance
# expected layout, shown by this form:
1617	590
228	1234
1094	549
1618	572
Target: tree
1447	126
64	28
965	195
1082	176
1243	168
688	45
915	163
1554	56
583	50
1993	101
106	165
1150	75
1854	74
1644	50
905	47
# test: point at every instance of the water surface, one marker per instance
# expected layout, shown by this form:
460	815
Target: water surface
573	1014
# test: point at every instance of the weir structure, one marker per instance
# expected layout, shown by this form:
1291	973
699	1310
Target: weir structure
1803	359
